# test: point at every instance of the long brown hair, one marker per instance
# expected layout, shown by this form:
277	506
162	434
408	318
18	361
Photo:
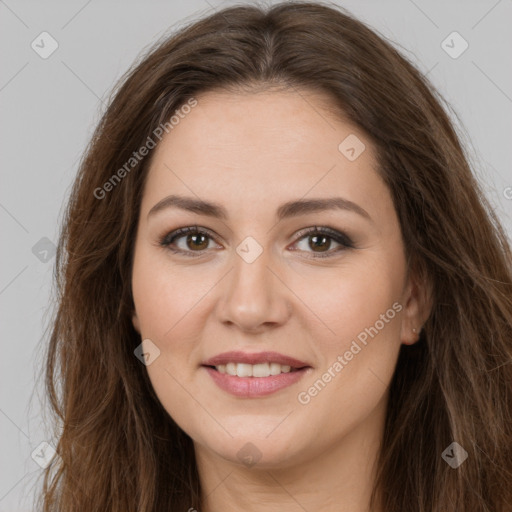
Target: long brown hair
118	448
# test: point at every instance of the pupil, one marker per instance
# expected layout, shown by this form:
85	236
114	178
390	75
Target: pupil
194	237
316	238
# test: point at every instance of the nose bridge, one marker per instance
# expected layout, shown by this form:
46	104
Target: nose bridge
254	295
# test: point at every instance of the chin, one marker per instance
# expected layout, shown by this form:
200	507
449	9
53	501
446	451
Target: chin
256	447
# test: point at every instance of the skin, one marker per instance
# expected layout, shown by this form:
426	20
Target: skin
251	152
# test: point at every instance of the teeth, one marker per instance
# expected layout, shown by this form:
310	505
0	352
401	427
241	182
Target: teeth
261	370
244	370
275	368
253	370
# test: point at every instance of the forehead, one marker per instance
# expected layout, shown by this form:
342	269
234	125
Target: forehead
291	125
254	149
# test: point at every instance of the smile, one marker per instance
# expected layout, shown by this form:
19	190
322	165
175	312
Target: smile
252	375
233	379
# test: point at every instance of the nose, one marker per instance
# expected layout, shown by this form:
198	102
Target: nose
254	296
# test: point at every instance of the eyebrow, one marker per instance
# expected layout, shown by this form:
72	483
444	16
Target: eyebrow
286	210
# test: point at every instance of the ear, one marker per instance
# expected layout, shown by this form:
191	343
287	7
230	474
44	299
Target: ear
418	299
135	321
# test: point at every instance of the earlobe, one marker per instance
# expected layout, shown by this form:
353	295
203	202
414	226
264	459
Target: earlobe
418	305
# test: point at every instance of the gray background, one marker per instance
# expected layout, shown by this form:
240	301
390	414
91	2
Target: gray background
49	108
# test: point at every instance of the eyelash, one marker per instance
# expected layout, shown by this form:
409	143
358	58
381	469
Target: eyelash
337	236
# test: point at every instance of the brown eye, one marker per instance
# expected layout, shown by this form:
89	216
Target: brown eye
320	240
195	240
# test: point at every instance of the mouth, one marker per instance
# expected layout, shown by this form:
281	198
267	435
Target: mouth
254	375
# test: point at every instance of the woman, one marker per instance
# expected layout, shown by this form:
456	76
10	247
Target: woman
281	286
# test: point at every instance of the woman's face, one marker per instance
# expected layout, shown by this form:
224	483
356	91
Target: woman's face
263	276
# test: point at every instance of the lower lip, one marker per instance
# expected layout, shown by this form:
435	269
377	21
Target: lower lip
249	387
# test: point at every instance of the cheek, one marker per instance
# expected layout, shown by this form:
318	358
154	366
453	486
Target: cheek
351	298
170	310
362	307
165	293
159	312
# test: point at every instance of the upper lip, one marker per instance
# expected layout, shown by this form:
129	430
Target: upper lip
254	358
